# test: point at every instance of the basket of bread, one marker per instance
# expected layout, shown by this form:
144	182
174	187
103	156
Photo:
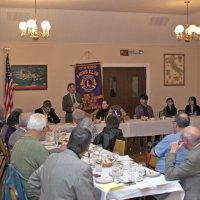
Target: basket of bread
105	162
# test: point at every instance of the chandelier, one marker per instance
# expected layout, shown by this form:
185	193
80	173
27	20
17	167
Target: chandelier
30	28
188	33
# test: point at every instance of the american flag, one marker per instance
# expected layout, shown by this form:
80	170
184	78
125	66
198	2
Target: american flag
9	89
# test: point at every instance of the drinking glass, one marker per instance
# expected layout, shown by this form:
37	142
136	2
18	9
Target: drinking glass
115	171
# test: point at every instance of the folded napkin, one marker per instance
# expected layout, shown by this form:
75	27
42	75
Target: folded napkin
110	187
124	158
142	185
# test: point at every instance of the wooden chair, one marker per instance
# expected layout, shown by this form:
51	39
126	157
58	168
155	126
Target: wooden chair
5	156
5	151
13	193
120	147
181	111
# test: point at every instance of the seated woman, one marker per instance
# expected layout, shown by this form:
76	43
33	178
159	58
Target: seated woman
110	133
49	112
12	123
192	108
103	112
170	110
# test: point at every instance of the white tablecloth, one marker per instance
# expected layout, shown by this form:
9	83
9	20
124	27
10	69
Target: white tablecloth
137	128
158	186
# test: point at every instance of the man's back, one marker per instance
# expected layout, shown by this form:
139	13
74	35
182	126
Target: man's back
27	156
88	124
65	177
188	172
163	147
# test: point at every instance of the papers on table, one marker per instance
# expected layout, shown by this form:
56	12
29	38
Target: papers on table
110	187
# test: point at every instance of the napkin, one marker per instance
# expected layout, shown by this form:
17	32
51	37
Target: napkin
142	185
124	158
110	187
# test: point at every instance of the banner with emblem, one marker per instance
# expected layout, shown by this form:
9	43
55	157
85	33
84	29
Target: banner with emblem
89	85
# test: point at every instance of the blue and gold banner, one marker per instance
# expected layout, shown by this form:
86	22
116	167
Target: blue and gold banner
88	84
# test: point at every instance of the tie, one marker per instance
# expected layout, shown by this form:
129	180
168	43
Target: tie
73	99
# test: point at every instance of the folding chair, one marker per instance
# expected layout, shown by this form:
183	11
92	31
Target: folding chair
151	161
120	147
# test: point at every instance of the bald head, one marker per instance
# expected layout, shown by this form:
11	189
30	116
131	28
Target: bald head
191	137
182	120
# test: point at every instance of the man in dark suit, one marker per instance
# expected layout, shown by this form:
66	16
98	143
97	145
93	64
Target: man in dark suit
48	112
71	101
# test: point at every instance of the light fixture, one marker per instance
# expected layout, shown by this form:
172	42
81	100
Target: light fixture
188	33
30	28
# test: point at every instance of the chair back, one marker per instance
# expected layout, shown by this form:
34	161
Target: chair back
5	151
151	161
120	147
13	193
181	111
12	187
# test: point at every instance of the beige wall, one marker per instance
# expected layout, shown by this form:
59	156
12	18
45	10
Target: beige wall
58	57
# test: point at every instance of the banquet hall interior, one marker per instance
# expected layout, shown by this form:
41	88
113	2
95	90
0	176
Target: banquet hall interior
120	35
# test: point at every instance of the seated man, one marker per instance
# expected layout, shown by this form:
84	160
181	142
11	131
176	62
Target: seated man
28	153
189	171
65	175
84	122
103	112
110	133
144	110
163	147
21	130
49	112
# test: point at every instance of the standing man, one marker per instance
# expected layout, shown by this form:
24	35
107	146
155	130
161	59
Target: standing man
189	171
71	101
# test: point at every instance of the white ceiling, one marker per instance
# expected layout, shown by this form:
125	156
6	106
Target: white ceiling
144	6
118	21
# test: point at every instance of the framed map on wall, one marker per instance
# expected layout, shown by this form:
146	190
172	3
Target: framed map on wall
29	77
174	69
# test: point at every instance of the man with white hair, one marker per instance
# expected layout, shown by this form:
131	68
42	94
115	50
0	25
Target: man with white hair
21	130
29	154
189	171
84	122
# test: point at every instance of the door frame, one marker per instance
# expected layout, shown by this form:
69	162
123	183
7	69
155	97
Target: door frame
146	66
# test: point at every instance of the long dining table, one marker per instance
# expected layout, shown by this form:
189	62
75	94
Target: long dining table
148	186
136	127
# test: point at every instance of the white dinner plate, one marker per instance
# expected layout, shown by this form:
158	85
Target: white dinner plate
104	180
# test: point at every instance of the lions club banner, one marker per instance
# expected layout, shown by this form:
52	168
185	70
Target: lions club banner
88	84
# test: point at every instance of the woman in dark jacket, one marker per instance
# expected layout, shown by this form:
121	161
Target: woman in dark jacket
170	110
110	133
192	108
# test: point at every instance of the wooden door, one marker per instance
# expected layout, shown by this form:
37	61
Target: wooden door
123	86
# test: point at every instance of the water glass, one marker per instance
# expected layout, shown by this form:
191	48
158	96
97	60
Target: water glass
115	171
98	167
